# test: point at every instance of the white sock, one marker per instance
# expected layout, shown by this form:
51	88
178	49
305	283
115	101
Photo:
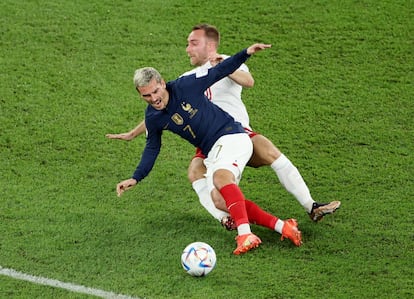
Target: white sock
243	229
200	187
279	226
291	179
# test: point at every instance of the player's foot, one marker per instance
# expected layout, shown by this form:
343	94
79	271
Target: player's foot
246	242
321	209
228	223
290	231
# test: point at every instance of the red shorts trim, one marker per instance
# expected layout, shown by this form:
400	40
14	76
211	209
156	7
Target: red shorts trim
250	132
199	154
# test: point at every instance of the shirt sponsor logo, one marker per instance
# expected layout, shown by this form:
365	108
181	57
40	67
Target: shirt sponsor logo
189	109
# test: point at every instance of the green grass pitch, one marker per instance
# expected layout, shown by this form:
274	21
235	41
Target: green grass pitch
334	93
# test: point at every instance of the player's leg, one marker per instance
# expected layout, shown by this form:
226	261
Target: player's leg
266	153
225	164
220	204
287	228
196	172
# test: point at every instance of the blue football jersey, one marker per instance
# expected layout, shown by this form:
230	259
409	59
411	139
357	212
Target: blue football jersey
190	114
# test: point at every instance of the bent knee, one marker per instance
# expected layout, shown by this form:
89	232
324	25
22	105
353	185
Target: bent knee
196	170
264	153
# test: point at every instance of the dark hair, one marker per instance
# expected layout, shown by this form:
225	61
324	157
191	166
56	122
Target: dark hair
210	31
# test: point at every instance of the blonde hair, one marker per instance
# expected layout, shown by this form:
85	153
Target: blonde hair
143	76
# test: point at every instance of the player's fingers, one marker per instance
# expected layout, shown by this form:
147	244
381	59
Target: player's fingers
116	136
119	189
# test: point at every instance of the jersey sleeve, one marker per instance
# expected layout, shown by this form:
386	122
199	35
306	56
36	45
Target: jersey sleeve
150	153
205	77
243	67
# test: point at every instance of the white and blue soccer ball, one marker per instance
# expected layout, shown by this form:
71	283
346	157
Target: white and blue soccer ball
198	259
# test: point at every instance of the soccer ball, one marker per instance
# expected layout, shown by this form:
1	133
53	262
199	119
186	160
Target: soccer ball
198	259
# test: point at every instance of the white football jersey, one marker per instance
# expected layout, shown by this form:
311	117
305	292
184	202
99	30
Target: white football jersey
226	94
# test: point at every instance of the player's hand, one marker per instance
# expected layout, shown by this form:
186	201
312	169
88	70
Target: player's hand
257	47
122	136
216	59
125	185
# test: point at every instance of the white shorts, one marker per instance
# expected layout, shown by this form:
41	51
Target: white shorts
231	152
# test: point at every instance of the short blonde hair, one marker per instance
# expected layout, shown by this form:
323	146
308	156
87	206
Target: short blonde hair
143	76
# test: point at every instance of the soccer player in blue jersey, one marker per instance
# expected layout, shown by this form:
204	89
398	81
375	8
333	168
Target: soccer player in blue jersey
182	107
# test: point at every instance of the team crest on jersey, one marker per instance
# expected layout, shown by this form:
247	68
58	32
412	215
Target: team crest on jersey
177	119
188	108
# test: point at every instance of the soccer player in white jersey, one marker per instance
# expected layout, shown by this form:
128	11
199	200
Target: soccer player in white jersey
202	43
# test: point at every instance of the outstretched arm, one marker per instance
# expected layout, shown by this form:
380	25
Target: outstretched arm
227	67
138	130
245	79
217	58
256	48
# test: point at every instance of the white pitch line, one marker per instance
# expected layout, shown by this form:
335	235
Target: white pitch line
62	285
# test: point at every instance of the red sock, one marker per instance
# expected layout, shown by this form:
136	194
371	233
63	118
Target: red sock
235	203
258	216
